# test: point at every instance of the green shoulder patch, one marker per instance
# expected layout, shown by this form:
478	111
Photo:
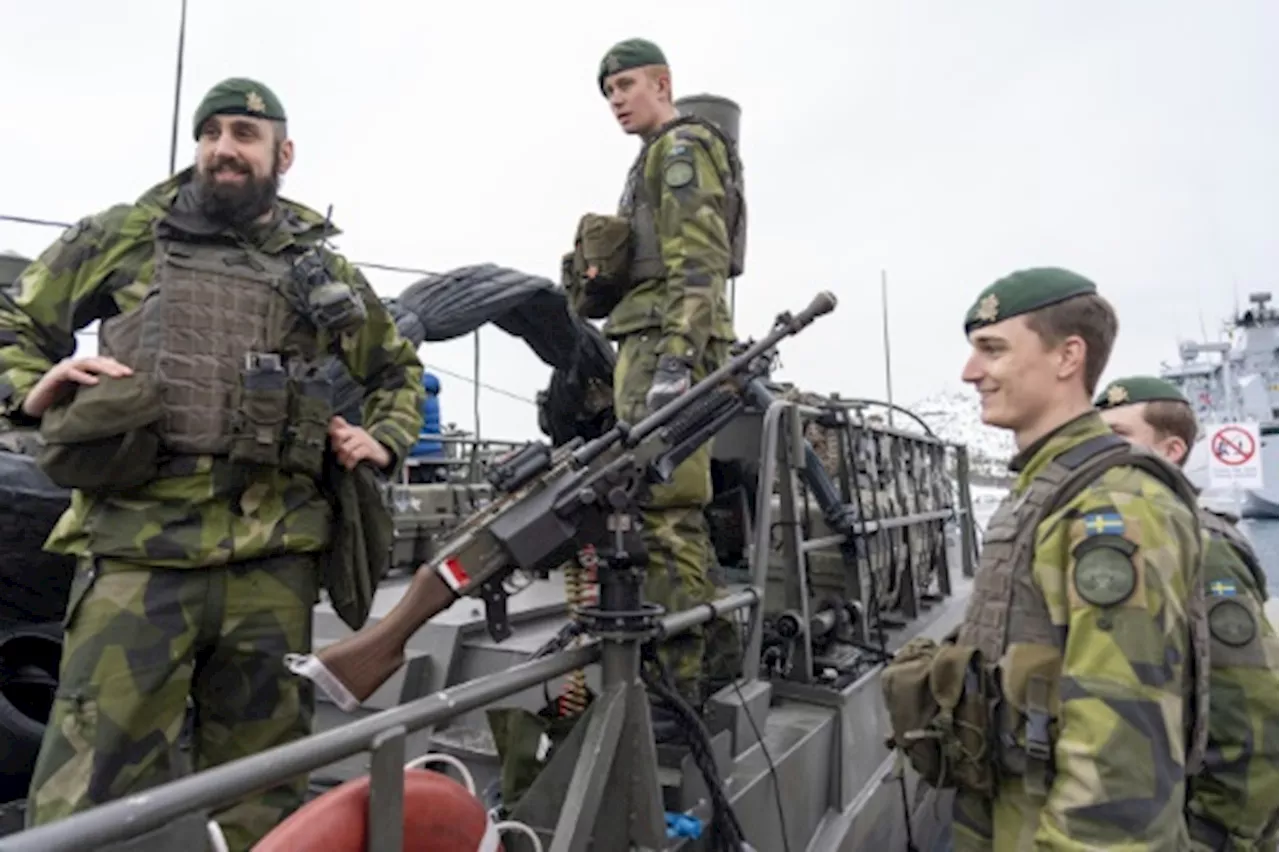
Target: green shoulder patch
1104	573
1231	623
678	172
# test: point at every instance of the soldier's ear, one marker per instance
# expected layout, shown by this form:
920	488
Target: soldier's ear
1173	448
285	158
1071	354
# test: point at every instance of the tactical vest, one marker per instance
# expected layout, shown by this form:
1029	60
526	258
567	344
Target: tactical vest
232	358
639	209
1006	607
1220	527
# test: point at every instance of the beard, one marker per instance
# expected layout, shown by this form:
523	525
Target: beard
232	204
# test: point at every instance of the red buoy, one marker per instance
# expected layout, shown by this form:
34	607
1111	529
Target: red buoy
440	815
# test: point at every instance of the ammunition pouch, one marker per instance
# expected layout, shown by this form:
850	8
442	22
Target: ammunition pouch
307	434
261	406
599	276
105	437
359	552
940	701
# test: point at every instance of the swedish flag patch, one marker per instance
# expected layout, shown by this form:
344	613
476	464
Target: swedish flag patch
1222	588
1103	523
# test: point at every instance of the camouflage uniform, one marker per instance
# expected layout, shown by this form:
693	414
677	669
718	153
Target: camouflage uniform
1082	655
1117	778
199	581
1232	803
676	306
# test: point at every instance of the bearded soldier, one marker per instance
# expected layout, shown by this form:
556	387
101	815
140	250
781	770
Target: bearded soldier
1069	705
659	270
1232	802
199	443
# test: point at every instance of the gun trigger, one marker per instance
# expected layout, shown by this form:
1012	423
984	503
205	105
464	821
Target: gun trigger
495	610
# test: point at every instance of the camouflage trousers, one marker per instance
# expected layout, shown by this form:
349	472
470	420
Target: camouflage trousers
138	642
676	535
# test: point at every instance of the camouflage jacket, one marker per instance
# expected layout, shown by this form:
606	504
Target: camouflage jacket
1120	726
209	512
1237	789
683	173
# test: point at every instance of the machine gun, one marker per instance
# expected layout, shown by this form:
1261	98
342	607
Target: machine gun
550	503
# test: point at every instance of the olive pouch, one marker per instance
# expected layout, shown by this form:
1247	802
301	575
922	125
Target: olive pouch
104	438
261	407
307	433
602	263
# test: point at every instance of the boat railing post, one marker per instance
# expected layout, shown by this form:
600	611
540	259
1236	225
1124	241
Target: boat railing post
968	534
386	790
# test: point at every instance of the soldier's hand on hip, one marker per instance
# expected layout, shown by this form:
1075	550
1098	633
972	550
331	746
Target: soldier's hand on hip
70	371
353	445
672	378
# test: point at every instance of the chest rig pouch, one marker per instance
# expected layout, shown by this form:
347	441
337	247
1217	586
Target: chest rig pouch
597	273
1007	613
638	209
223	365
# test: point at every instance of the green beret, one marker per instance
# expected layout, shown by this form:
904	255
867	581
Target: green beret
1137	389
239	96
625	55
1023	292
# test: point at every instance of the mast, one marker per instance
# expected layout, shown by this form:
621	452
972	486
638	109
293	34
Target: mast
884	316
177	91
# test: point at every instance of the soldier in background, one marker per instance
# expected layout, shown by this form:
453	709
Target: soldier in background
680	231
198	443
1232	803
1075	686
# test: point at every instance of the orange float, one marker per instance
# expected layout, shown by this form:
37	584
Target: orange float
440	815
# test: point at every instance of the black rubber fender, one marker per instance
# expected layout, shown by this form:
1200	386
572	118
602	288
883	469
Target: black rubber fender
33	583
29	659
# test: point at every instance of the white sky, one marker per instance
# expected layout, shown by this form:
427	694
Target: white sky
947	143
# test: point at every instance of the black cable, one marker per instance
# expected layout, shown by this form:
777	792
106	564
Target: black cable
726	833
773	770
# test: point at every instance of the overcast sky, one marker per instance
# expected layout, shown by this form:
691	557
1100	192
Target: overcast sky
946	143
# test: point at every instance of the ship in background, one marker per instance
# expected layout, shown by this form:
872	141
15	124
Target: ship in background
1238	385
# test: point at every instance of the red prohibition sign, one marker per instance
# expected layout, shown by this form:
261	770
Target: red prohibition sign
1232	446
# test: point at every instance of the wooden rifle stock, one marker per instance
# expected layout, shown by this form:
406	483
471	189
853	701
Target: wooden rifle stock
364	660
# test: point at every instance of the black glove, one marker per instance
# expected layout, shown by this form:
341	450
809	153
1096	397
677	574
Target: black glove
672	378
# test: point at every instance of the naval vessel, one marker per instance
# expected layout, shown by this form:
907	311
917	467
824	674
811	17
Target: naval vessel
1231	381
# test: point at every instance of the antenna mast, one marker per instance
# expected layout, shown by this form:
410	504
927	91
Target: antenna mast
177	91
884	313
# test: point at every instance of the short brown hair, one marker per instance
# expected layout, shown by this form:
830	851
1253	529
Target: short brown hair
1169	417
1089	317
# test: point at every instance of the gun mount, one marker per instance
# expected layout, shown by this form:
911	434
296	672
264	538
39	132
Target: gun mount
844	546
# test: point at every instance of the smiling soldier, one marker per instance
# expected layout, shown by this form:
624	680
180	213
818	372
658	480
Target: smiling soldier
200	443
1069	709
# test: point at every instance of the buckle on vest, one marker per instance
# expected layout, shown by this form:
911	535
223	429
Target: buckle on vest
1039	748
262	362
